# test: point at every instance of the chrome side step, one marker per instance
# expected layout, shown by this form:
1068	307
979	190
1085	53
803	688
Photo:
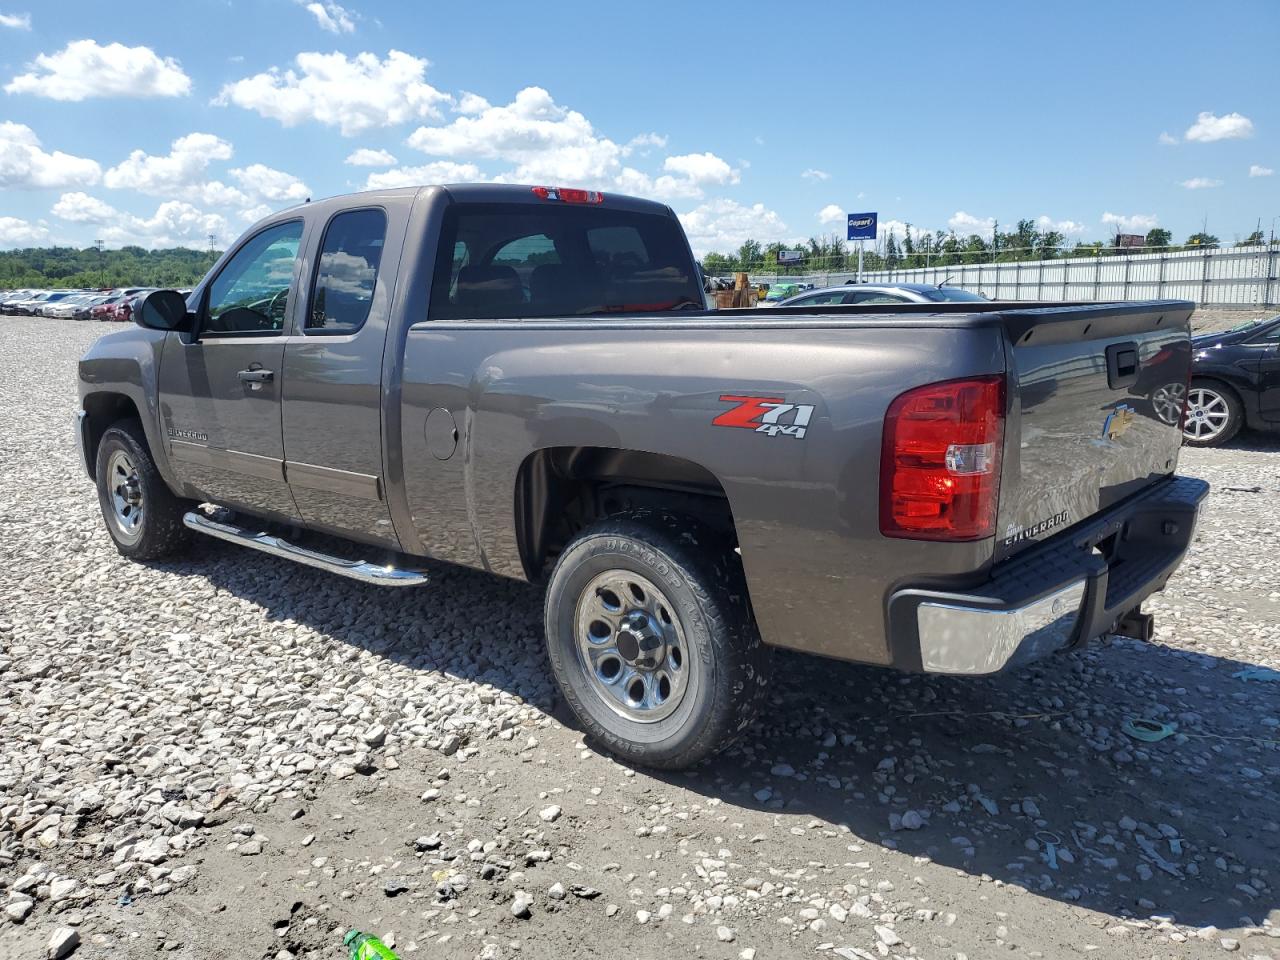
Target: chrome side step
384	576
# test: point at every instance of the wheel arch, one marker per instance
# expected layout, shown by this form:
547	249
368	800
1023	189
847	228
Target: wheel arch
101	410
561	490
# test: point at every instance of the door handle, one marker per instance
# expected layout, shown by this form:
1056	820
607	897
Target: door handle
256	376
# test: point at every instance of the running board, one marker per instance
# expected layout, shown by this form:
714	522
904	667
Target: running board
384	576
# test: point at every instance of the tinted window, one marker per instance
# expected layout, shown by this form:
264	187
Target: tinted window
836	296
871	297
952	295
347	272
251	294
522	260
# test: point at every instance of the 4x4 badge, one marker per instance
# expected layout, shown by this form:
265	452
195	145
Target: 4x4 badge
768	415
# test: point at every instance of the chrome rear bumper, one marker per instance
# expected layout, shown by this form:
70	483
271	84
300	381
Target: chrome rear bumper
1058	594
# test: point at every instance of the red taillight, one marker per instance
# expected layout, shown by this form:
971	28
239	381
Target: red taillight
940	463
569	194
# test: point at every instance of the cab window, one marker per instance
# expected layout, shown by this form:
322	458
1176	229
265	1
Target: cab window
347	272
251	293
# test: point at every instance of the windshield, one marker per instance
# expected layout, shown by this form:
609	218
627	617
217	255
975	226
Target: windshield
951	295
1250	324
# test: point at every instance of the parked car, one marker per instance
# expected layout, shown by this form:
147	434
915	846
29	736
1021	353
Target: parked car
10	297
524	381
871	293
32	305
1235	383
66	308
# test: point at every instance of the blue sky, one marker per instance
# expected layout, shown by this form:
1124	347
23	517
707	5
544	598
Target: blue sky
162	122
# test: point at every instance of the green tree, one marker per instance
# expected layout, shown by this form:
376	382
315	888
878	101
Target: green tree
1252	240
1159	237
1202	240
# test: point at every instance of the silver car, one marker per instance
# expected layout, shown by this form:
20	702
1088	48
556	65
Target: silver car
882	293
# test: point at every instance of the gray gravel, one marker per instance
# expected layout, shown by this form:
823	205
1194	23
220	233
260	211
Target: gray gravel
233	756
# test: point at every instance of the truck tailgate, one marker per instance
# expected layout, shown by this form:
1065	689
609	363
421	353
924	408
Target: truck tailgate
1097	397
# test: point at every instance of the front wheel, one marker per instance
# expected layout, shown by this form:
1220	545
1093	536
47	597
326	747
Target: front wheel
1214	414
651	640
142	515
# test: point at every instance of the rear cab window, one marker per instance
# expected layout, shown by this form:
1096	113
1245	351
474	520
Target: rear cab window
347	272
507	261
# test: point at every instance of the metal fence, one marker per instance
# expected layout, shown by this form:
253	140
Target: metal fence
1243	276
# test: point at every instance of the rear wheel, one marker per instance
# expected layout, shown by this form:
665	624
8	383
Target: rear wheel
651	640
1214	414
142	515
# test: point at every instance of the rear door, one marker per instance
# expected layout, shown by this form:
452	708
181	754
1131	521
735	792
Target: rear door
332	385
220	389
1269	373
1093	421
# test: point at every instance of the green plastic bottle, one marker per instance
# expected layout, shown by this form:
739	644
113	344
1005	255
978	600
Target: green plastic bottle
365	946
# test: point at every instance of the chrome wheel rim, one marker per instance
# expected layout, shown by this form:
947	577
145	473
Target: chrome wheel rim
1167	401
631	647
1207	414
124	487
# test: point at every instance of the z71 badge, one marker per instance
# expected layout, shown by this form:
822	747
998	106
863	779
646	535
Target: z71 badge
768	415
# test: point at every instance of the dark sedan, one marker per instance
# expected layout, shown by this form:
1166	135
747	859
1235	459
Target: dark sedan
1235	382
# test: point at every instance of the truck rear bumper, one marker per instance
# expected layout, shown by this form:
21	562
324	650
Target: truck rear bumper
1061	594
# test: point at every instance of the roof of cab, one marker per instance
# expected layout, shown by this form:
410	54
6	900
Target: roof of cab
489	193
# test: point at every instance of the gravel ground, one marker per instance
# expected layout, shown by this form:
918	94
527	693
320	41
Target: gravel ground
232	756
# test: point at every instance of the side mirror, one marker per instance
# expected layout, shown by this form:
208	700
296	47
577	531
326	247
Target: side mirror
161	310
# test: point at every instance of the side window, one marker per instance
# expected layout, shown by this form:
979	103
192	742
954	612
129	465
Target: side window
820	298
251	294
347	272
1271	336
876	298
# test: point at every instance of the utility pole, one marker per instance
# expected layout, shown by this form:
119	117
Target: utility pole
102	273
213	241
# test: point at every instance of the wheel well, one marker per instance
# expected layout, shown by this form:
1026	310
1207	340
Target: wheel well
561	490
1217	382
104	409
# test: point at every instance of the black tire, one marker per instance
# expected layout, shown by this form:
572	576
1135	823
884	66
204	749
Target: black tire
157	529
1224	398
698	575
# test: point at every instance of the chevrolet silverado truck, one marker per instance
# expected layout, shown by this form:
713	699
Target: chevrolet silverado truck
525	380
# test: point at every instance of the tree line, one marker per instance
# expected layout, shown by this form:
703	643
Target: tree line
832	254
88	268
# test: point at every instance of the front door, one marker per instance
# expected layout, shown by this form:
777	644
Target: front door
220	388
1269	376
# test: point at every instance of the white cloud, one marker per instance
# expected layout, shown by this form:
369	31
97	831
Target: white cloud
1208	128
174	223
899	229
1200	183
963	224
812	174
546	142
1165	140
1131	223
79	207
84	69
24	165
15	21
439	171
703	169
179	174
265	183
643	142
723	225
365	157
353	94
1256	170
831	214
250	214
21	233
331	16
1066	227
